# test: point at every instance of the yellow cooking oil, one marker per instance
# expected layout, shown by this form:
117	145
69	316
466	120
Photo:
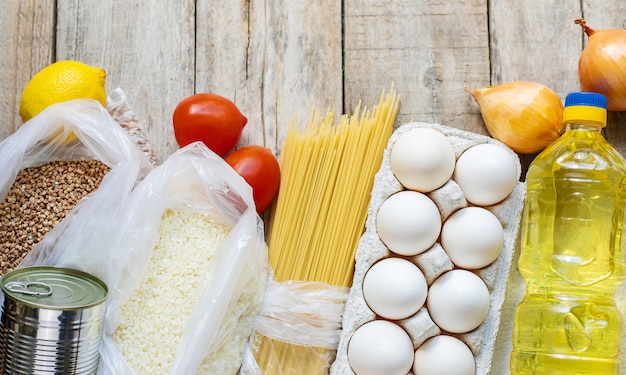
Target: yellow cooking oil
572	251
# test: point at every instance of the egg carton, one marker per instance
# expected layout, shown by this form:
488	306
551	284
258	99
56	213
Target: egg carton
434	262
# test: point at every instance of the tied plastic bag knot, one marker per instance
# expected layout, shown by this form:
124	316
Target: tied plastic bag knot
303	313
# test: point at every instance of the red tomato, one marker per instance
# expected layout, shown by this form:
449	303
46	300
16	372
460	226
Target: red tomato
259	167
210	118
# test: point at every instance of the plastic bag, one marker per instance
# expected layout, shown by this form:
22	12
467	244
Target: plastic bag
304	314
194	179
74	130
123	114
43	139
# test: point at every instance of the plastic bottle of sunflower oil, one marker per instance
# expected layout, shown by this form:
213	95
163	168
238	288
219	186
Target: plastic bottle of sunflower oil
572	250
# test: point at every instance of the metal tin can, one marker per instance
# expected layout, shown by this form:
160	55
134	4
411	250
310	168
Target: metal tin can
52	321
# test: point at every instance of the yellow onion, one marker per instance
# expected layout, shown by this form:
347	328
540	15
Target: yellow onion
602	65
526	116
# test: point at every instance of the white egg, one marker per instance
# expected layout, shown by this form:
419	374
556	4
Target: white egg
487	173
458	301
408	223
422	159
444	355
394	288
380	347
472	237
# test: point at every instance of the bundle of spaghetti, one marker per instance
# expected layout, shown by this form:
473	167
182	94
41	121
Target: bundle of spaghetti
319	215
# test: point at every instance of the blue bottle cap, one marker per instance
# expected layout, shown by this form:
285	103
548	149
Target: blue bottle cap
590	99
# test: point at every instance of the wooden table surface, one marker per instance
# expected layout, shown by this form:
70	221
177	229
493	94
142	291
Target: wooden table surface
279	59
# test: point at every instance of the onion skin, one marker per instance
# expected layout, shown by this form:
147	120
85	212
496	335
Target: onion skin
525	116
602	65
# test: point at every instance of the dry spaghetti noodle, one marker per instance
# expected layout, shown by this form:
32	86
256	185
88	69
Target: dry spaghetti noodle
319	215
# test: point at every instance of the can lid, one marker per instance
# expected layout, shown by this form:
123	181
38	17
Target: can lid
54	288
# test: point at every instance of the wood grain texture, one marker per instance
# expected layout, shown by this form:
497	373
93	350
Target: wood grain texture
147	49
535	41
9	20
430	49
279	60
26	47
275	60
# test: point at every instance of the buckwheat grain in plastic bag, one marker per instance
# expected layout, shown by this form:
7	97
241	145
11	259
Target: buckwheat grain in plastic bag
77	130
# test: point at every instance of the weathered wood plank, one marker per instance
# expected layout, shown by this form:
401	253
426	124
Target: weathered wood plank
147	48
430	49
9	48
280	60
274	60
25	47
535	41
604	14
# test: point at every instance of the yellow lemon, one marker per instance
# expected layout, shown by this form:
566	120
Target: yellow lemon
60	82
